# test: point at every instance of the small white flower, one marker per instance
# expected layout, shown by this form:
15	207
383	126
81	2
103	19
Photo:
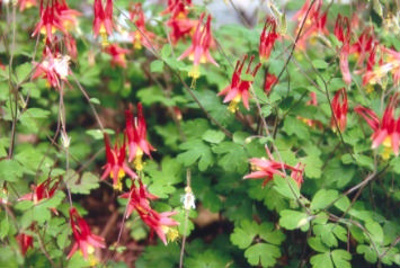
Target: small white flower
188	199
61	66
65	140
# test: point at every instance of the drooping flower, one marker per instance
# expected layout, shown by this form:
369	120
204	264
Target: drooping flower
339	108
199	50
136	131
180	25
268	38
116	166
54	68
161	224
386	130
68	17
42	191
174	5
141	36
342	33
85	241
238	90
25	242
49	22
314	24
364	45
267	168
139	199
392	63
118	55
103	20
270	81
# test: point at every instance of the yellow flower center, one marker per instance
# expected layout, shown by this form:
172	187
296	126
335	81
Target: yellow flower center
233	106
138	163
194	73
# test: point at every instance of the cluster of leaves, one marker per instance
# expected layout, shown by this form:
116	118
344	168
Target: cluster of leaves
341	216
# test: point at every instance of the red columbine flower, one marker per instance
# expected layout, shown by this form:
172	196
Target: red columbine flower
180	25
49	21
392	63
239	88
339	108
136	131
364	45
386	130
68	17
141	37
314	24
173	5
160	223
25	242
118	55
267	39
199	52
54	68
270	81
343	36
42	191
85	241
116	166
103	20
139	199
267	168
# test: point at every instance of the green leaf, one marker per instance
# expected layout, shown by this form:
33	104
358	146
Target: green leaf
375	230
232	156
10	170
323	198
322	260
4	228
313	166
267	233
316	244
156	66
95	101
281	185
34	113
209	259
22	71
265	254
213	136
97	134
341	258
196	150
320	64
369	253
291	219
243	236
84	185
293	125
337	173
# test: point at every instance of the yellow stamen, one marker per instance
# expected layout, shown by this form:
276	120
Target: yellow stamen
233	106
104	36
138	163
194	73
369	89
171	233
